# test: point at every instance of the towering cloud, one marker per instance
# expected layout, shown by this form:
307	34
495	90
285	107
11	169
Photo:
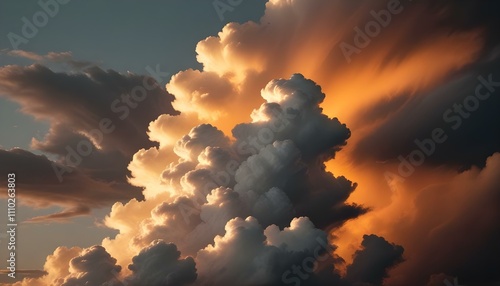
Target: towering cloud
241	187
269	171
247	208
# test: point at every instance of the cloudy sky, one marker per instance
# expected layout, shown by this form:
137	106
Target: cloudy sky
305	142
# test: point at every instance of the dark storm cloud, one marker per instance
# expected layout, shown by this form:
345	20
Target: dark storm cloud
371	263
160	265
296	116
79	101
98	121
78	193
460	107
278	171
406	118
280	255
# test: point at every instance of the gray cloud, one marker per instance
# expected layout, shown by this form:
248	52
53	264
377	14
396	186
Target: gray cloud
94	266
160	265
371	263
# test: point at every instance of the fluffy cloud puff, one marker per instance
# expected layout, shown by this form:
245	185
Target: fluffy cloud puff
160	265
272	178
75	266
445	220
79	101
219	186
454	229
94	266
253	256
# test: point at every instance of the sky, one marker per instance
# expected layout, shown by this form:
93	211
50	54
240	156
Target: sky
305	142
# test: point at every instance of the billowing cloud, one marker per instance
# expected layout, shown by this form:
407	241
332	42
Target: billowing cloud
269	174
253	256
94	266
75	266
160	265
57	267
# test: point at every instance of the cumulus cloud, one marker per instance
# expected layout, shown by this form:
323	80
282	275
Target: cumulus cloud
94	266
247	255
160	264
272	176
56	267
218	186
